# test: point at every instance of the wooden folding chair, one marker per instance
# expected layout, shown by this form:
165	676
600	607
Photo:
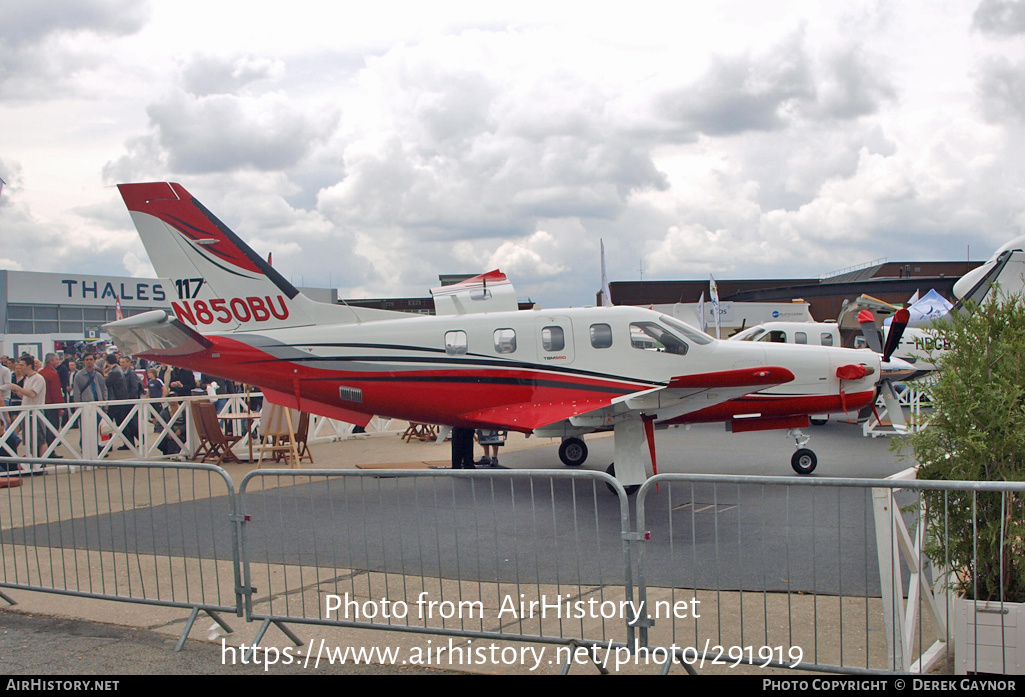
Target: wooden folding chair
302	433
219	444
204	438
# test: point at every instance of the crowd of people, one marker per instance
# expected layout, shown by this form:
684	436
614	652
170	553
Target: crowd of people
57	381
90	377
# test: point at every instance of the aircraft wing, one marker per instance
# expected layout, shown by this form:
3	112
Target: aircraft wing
760	377
157	333
688	393
682	394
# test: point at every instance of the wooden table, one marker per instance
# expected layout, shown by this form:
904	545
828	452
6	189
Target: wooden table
425	433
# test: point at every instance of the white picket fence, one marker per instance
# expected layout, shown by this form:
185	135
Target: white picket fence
89	431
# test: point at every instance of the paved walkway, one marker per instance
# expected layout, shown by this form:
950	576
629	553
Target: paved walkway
52	634
32	644
57	634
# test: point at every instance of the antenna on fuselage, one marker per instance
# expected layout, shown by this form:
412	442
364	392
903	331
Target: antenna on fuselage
359	320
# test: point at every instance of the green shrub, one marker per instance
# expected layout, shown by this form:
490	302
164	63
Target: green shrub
977	432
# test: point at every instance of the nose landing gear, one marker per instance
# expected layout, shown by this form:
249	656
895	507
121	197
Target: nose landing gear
804	460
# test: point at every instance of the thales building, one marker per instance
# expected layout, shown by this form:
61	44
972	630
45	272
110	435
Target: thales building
44	312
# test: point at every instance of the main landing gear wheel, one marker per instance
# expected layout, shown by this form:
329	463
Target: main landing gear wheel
804	461
573	452
819	420
632	489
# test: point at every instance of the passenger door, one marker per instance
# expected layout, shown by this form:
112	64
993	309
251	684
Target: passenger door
554	339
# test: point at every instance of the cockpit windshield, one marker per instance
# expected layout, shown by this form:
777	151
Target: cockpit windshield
688	332
654	337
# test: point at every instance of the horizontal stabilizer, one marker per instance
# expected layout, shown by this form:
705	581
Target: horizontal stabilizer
156	333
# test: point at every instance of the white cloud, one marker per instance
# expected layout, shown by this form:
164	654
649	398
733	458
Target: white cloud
379	151
205	75
46	47
219	133
1000	17
138	267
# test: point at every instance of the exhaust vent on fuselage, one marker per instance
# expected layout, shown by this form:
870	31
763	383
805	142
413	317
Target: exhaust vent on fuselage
350	394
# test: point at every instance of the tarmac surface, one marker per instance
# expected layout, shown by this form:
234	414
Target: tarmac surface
51	634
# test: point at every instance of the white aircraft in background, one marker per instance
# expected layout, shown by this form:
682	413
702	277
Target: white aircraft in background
1005	267
917	343
921	347
478	363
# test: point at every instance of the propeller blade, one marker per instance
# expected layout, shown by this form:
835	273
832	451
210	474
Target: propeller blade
869	331
897	327
893	408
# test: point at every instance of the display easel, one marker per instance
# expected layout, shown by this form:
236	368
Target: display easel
278	430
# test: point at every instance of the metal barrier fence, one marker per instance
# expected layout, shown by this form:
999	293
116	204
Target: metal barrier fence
787	567
150	533
826	574
540	556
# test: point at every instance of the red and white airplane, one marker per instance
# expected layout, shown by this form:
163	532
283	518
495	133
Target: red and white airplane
479	363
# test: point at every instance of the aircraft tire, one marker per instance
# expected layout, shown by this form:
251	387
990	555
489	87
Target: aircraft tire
804	461
630	490
573	452
819	420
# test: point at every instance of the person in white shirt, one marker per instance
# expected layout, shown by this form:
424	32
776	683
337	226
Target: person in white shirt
5	391
5	384
33	393
34	390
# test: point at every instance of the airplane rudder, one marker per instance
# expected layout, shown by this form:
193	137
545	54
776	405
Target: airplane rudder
140	196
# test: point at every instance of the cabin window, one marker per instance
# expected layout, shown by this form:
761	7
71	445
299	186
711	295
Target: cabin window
455	343
505	340
800	337
653	337
827	339
601	336
553	339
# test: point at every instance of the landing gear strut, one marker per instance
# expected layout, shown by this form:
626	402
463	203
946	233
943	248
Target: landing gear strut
630	489
804	460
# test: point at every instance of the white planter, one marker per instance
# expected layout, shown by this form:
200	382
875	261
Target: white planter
981	629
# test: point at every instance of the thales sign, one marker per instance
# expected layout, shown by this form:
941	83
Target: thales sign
71	289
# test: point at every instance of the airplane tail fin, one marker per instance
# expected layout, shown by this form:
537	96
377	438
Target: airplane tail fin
221	283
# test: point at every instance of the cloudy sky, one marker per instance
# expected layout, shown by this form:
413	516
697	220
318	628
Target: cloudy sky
372	146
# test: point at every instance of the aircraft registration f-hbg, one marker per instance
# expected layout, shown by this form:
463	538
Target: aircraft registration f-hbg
478	363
